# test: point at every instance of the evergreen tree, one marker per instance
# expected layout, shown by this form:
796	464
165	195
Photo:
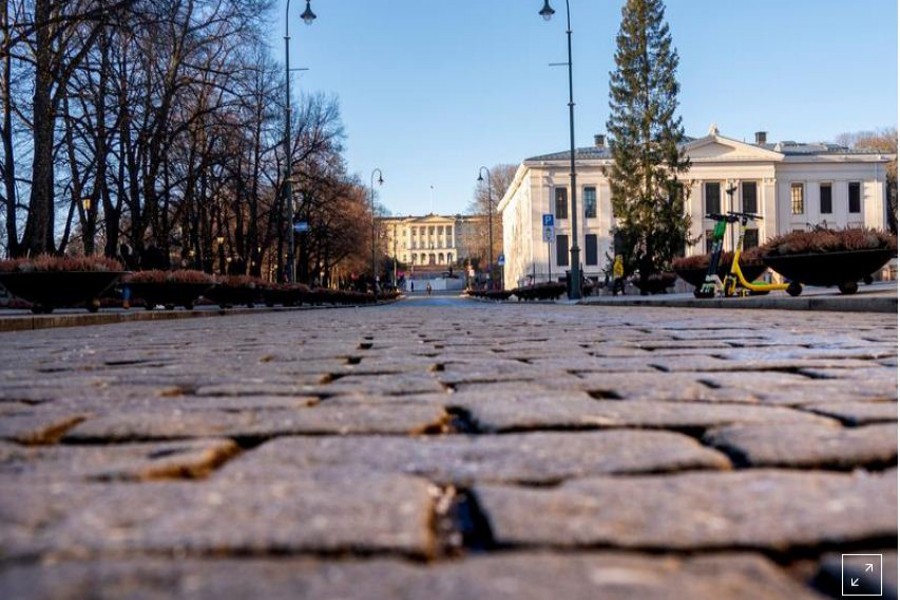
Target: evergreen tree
648	200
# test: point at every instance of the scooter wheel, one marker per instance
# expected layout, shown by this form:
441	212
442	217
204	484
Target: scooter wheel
848	287
794	289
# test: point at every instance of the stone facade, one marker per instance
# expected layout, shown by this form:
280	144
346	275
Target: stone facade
791	185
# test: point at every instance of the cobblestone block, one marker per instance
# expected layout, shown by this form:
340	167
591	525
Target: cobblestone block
857	413
515	576
130	462
318	420
546	412
322	512
809	446
538	458
769	510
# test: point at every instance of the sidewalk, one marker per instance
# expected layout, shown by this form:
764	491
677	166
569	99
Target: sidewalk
879	297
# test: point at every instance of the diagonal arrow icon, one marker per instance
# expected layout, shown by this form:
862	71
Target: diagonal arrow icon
854	582
870	568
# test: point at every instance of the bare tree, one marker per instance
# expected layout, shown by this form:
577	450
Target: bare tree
502	176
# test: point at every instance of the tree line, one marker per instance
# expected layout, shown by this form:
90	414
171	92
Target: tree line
159	124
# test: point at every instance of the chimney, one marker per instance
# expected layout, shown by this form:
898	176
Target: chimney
760	138
600	140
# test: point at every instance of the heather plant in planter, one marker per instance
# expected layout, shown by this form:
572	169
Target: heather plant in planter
48	282
285	294
235	290
169	288
827	257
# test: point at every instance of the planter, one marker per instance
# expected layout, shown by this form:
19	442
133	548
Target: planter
47	290
843	269
541	291
168	293
655	284
697	276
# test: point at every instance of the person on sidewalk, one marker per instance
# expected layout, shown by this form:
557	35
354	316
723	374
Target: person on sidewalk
618	276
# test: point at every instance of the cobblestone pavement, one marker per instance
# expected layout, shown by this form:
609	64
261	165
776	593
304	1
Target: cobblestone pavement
441	448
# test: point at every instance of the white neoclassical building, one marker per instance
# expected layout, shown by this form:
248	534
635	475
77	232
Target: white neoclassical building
791	185
432	241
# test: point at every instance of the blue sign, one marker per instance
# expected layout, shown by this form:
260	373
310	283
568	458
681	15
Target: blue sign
501	260
548	220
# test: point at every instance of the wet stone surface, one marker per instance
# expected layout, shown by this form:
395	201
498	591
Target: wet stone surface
443	448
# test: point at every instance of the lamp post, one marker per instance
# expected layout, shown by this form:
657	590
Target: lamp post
575	280
372	202
308	17
490	212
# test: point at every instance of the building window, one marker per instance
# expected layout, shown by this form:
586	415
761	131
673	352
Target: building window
751	238
562	203
590	203
797	199
708	234
855	198
562	250
450	258
713	194
748	197
825	198
590	249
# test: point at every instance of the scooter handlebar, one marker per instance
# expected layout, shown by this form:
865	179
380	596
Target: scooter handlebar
720	217
744	215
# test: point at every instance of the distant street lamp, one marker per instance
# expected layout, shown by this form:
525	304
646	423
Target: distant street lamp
308	17
575	280
490	221
372	202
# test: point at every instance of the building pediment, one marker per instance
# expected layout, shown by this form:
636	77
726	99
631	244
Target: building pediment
715	148
432	220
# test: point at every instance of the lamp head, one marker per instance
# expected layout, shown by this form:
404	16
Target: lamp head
308	15
480	178
547	12
380	179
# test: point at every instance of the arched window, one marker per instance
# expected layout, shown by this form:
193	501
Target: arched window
441	258
431	259
450	258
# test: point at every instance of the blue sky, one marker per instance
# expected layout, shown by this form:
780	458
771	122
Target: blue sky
430	90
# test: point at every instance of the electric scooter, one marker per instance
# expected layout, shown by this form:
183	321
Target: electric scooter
712	283
736	277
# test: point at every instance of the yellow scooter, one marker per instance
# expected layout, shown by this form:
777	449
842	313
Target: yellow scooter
736	277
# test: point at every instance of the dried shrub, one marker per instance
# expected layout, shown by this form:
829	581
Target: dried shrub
829	240
182	276
47	263
751	256
239	281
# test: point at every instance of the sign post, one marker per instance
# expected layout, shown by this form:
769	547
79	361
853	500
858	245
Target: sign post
549	235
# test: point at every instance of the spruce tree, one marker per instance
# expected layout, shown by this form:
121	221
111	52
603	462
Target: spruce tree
645	134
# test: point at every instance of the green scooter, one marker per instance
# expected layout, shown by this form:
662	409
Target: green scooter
712	283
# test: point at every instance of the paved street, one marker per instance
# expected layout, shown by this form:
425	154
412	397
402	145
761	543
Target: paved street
445	448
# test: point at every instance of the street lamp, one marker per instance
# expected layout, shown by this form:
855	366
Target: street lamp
372	202
308	17
575	280
490	220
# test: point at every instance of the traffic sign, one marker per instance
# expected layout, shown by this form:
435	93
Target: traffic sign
548	220
301	226
548	234
501	260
